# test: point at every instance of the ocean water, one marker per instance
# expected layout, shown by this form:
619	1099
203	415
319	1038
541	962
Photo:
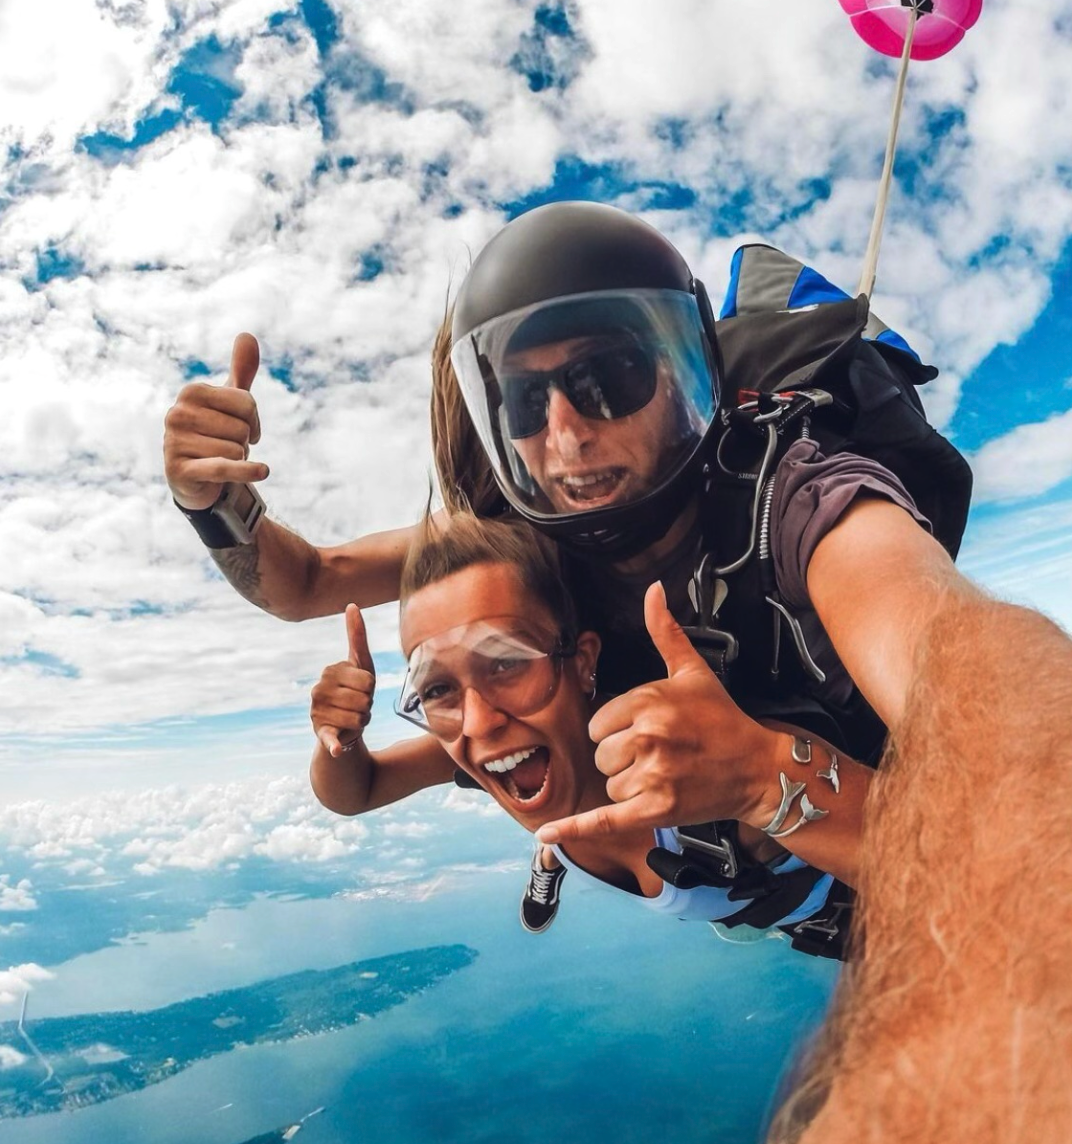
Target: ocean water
614	1025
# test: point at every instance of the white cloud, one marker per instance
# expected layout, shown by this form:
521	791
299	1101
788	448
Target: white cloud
277	75
471	802
408	829
302	843
11	1058
196	829
18	897
19	980
61	78
440	50
17	618
45	851
401	892
1028	460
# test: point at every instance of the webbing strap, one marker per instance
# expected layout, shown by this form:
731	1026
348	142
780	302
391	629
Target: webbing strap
789	893
826	933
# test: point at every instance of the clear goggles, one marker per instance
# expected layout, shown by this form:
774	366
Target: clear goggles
513	672
618	347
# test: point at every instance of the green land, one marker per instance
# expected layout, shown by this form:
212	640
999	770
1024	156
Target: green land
71	1062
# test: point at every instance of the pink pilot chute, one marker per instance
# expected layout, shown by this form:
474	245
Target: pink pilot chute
936	26
911	29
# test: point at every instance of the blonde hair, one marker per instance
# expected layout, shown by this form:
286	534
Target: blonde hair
466	482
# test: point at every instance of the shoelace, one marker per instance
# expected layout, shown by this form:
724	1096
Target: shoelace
541	884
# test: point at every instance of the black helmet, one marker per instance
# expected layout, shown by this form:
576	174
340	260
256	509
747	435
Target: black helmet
576	315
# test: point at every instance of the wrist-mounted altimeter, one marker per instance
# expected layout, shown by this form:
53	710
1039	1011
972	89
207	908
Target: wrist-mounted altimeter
232	520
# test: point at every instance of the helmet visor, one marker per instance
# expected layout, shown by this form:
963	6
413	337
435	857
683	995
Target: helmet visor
591	401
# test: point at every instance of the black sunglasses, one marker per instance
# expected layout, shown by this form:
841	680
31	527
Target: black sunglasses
603	385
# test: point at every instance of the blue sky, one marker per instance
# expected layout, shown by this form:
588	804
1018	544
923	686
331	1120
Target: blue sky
319	173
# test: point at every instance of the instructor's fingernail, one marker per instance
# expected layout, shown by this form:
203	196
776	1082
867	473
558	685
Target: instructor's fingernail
547	834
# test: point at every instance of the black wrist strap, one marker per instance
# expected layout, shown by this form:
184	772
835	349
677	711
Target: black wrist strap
213	532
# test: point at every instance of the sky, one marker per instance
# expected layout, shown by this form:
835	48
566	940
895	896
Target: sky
320	174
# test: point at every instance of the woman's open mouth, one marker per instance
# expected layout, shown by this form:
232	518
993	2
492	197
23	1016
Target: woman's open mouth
522	774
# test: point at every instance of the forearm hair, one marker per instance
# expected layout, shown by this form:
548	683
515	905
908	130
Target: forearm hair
954	1022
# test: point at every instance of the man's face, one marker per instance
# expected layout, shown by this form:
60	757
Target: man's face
583	463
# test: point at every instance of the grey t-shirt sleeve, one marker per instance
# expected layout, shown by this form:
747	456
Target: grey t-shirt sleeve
811	493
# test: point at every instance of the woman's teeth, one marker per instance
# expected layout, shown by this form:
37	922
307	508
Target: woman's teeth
498	766
523	774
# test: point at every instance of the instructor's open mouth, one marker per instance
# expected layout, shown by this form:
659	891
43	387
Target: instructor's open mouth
589	489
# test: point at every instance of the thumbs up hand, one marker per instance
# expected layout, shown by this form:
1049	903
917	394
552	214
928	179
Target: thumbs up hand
675	752
342	699
208	432
676	651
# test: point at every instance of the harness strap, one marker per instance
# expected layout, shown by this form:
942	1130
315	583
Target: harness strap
709	856
790	892
826	933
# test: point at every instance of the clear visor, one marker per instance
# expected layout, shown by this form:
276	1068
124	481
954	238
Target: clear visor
513	672
591	401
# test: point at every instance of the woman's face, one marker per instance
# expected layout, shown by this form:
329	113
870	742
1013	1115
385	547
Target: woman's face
538	767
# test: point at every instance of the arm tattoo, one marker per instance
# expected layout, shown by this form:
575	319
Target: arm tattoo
241	567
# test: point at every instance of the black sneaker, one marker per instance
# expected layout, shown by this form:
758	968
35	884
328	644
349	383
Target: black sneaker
540	903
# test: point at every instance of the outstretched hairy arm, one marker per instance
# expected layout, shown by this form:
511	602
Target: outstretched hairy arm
955	1022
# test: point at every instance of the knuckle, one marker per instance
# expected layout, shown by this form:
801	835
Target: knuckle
605	761
243	405
193	396
664	730
647	742
178	422
661	765
601	821
618	790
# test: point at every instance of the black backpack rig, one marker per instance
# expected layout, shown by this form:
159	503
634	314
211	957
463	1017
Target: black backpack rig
799	359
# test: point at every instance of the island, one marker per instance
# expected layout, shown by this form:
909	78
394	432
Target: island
65	1063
